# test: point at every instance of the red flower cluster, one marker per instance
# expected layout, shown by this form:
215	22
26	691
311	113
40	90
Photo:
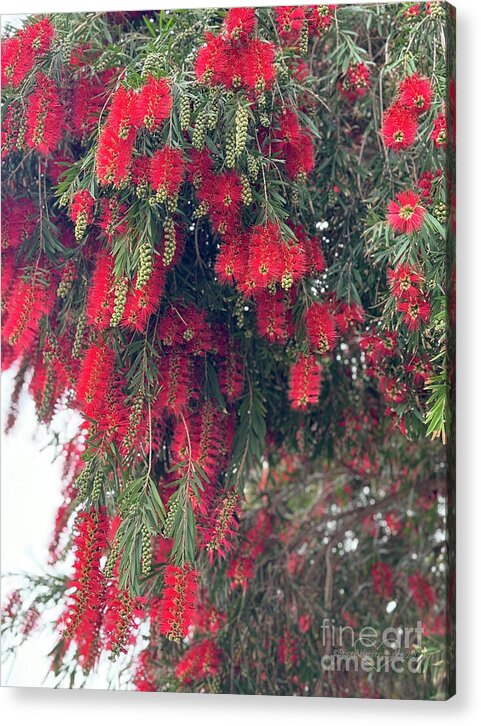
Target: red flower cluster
20	51
320	327
19	219
406	215
288	650
201	661
82	205
382	580
28	302
221	526
88	596
422	592
236	60
166	172
94	379
439	133
45	116
355	82
129	111
400	121
178	601
290	22
240	568
304	382
100	299
240	23
295	145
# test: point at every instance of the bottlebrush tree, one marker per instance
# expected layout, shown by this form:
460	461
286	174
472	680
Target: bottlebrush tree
227	244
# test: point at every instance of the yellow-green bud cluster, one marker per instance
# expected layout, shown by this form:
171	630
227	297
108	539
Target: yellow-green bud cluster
45	405
241	127
287	280
169	241
253	166
437	11
171	202
79	333
441	212
230	147
97	484
145	265
146	551
184	115
152	63
264	120
304	39
246	190
134	421
83	479
66	281
81	224
201	210
213	117
112	558
170	519
120	298
198	137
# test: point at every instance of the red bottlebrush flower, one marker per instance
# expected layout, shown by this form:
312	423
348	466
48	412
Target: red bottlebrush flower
121	617
422	592
186	327
154	103
141	304
265	248
290	21
29	302
199	167
94	379
420	369
239	23
114	156
320	327
223	195
178	601
440	132
201	661
100	299
404	282
293	265
140	171
221	526
82	204
259	71
399	127
112	217
144	678
210	60
45	116
88	581
17	61
416	310
176	382
412	11
274	317
300	158
304	382
86	103
382	580
315	260
406	215
19	219
232	260
20	51
290	131
287	650
415	93
320	18
38	36
347	314
166	172
355	82
231	372
122	114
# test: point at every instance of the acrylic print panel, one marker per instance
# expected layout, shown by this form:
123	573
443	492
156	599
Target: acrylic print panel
228	319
